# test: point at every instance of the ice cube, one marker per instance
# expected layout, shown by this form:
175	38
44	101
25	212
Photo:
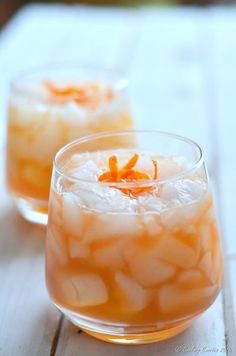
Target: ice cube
77	160
18	145
72	215
217	263
77	249
149	271
175	252
175	300
210	214
204	232
73	115
87	171
93	198
34	175
84	290
182	191
170	166
55	208
20	113
205	208
190	278
134	297
54	245
108	256
183	200
111	226
46	138
206	266
189	237
149	203
145	164
151	224
104	199
176	218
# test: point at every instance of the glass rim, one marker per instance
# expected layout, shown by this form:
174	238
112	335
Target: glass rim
17	82
140	183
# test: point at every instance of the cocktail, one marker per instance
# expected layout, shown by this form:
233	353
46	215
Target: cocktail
47	110
132	251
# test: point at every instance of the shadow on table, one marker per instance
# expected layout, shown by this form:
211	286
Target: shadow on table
18	238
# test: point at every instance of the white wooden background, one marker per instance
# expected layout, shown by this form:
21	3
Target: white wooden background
182	69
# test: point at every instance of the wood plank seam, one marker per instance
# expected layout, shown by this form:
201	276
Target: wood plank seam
56	336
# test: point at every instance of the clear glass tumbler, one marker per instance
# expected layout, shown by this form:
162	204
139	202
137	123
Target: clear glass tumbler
49	108
132	251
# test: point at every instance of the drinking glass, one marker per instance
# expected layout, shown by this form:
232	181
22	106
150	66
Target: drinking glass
132	250
49	108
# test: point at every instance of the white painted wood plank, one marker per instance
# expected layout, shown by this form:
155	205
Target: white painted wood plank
28	323
229	301
220	64
223	55
227	183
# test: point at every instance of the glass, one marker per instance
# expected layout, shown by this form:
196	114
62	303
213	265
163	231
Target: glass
48	109
132	251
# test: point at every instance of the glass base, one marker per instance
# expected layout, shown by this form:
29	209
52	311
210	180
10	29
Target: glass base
124	334
135	339
33	210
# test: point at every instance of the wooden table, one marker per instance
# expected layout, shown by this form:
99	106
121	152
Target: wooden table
181	66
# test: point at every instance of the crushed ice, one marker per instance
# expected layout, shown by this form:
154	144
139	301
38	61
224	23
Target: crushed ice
100	197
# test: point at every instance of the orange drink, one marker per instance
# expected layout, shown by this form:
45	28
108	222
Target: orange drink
49	109
132	251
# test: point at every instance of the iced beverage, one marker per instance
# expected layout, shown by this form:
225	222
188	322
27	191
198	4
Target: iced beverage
48	110
133	252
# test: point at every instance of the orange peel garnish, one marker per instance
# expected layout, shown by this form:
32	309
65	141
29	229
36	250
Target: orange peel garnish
88	95
128	174
155	169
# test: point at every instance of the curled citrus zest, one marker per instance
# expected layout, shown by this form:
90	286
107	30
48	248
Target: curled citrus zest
61	91
128	174
89	95
105	177
136	175
132	162
155	169
113	168
124	174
